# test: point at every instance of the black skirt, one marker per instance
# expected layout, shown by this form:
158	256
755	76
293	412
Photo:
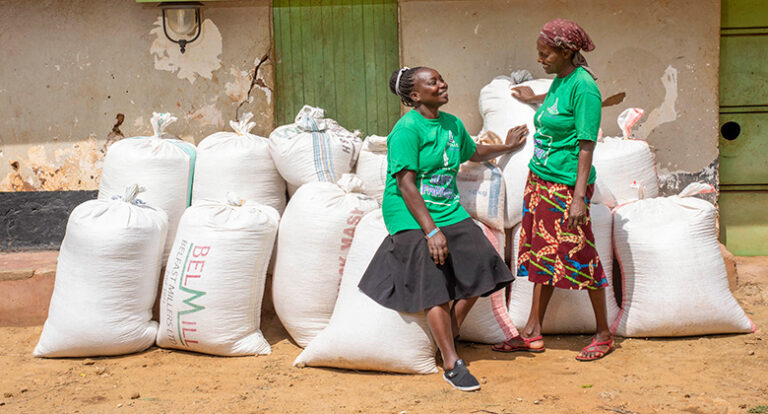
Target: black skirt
402	275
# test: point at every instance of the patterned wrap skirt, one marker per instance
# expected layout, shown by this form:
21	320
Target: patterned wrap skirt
402	275
549	252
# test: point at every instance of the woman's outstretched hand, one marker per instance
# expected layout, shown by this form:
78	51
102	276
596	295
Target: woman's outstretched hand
577	213
524	94
438	248
516	136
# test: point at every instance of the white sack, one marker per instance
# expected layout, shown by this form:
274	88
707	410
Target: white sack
106	280
238	162
160	163
569	311
500	113
673	275
315	234
214	280
372	166
482	192
625	167
313	149
361	333
488	321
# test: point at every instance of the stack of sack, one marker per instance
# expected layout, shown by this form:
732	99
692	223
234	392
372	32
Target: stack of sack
361	334
372	166
501	111
238	162
313	149
625	166
162	164
482	191
315	236
106	279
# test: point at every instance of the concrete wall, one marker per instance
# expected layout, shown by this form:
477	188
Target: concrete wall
70	67
663	54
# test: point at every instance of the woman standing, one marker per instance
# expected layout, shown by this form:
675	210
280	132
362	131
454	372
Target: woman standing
557	247
435	259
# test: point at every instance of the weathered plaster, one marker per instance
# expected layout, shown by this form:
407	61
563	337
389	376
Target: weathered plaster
201	60
63	83
77	167
471	42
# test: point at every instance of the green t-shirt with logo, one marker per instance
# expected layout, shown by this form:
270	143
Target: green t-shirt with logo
433	149
570	113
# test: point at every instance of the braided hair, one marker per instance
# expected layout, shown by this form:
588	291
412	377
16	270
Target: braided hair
404	86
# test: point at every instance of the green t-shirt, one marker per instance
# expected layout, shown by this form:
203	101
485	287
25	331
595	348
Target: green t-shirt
434	149
570	113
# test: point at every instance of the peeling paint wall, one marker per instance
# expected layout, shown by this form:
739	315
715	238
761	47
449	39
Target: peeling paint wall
70	67
664	54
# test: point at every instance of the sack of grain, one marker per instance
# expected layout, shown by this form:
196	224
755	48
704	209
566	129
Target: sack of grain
372	166
501	111
673	276
488	321
238	162
626	169
482	192
361	333
162	164
106	279
313	149
570	311
315	234
214	280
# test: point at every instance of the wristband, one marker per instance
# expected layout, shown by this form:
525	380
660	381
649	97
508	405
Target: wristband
432	233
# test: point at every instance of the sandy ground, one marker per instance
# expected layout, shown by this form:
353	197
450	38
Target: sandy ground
713	374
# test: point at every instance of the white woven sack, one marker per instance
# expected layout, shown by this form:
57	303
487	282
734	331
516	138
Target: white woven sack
626	169
488	321
673	275
160	163
500	113
238	162
313	149
106	280
372	166
482	192
214	281
315	234
361	333
570	311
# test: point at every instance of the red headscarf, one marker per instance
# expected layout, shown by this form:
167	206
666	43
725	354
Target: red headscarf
568	35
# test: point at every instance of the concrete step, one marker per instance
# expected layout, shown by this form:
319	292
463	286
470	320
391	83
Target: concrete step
26	285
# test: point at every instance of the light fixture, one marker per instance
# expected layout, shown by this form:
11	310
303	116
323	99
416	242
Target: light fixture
183	19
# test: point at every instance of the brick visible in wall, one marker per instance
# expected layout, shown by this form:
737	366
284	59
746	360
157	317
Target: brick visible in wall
37	219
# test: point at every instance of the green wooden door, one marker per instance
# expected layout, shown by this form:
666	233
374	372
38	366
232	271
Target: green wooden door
744	127
337	55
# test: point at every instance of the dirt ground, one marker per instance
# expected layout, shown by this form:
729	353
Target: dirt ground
713	374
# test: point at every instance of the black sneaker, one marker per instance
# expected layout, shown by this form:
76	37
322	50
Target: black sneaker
460	378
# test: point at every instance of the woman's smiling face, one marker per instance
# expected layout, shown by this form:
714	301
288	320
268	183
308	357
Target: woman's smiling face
429	88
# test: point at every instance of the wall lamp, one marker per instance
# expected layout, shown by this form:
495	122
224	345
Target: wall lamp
183	19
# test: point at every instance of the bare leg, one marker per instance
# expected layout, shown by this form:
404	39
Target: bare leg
439	320
459	312
597	297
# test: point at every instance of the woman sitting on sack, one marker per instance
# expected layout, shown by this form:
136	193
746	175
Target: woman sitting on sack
435	258
557	247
